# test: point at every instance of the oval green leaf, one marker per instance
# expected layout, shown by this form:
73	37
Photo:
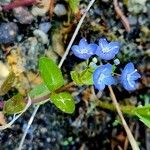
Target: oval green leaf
14	105
51	74
39	91
144	119
143	113
64	101
84	77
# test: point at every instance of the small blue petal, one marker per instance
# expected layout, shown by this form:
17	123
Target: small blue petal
102	43
83	43
100	86
128	77
92	48
102	76
107	51
128	86
115	50
105	56
84	50
114	45
107	69
77	52
135	76
131	85
109	80
75	48
129	67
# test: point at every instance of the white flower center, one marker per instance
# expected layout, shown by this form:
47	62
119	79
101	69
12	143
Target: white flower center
101	77
129	76
83	51
105	50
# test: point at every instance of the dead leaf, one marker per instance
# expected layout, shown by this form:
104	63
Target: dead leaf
2	119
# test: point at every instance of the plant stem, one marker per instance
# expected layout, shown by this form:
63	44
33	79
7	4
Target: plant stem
128	110
18	3
47	96
75	33
65	87
40	99
28	126
127	129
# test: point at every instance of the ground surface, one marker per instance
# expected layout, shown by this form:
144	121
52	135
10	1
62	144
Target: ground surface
87	128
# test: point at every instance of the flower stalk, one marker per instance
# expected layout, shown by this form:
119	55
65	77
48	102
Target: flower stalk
127	129
128	109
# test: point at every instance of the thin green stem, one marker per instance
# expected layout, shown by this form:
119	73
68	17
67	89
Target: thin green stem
47	96
128	110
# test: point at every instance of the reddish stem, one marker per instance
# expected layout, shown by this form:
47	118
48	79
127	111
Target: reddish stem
1	104
51	8
18	3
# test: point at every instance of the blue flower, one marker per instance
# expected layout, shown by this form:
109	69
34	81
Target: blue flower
102	76
128	77
84	50
107	51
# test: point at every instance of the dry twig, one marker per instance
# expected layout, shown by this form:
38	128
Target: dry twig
127	129
51	8
120	14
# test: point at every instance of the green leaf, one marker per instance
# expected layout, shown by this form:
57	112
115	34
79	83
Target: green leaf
114	68
143	113
74	5
144	119
51	74
7	84
83	78
14	105
64	101
75	77
39	91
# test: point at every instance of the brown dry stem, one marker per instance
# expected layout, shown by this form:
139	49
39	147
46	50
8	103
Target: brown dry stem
120	14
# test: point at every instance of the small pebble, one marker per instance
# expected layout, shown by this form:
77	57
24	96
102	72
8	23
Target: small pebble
43	130
60	10
45	26
136	6
36	11
4	70
43	37
132	20
8	32
23	15
142	20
